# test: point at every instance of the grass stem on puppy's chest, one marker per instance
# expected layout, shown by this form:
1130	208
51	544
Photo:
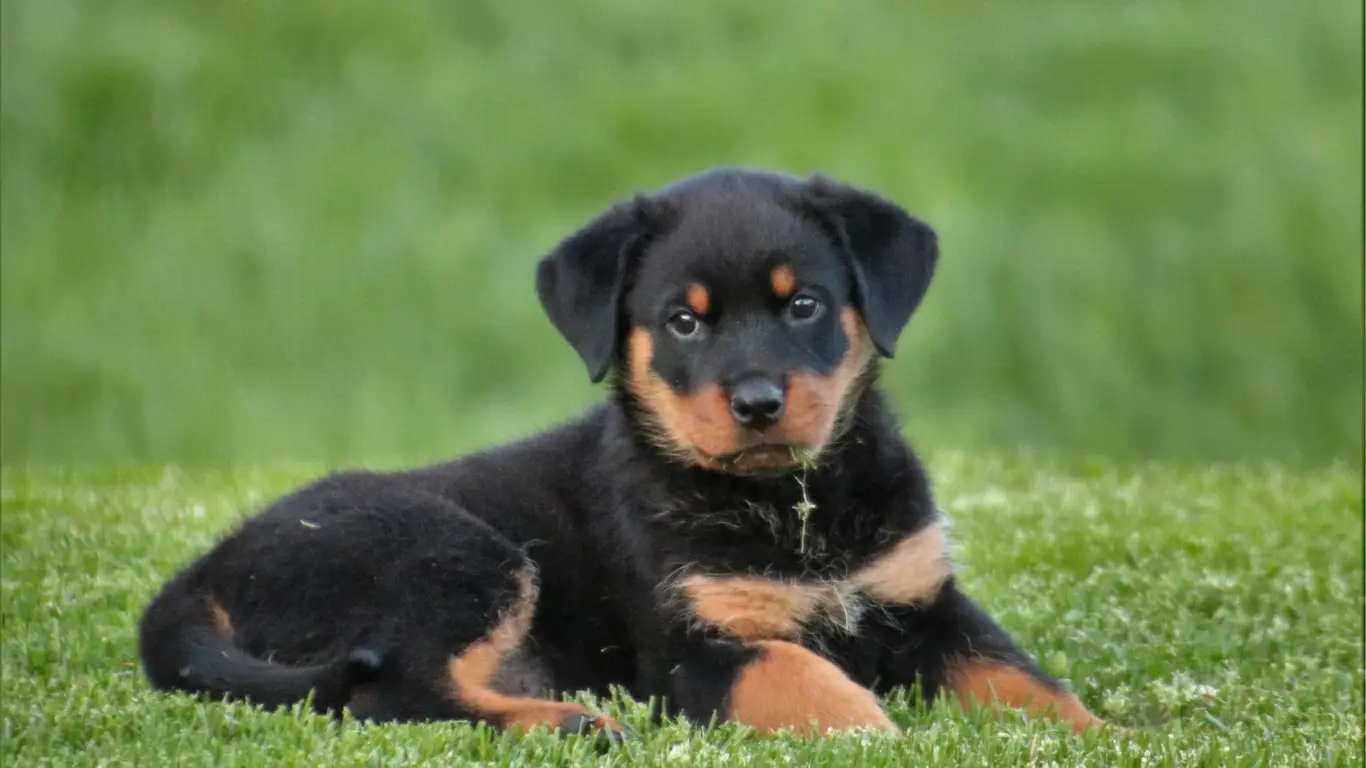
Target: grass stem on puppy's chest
805	506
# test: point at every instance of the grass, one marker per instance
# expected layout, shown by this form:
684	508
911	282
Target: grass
244	234
1217	610
260	231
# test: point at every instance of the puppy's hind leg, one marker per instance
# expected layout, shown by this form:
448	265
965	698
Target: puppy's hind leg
460	612
471	673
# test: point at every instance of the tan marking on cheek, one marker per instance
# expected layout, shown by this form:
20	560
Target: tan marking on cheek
815	404
912	572
699	300
707	422
997	685
700	421
222	622
783	280
640	350
654	394
751	607
787	687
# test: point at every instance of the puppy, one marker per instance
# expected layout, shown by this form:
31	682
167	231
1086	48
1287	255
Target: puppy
738	532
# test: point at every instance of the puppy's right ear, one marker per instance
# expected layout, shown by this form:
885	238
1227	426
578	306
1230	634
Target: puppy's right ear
582	282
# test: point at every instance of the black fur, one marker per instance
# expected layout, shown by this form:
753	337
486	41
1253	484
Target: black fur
361	586
581	286
893	255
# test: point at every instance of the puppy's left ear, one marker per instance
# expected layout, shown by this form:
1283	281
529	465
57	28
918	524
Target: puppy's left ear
891	253
582	282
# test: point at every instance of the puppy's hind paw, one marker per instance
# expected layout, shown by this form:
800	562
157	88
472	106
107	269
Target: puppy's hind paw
606	731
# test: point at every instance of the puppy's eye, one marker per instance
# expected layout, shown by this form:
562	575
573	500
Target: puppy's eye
804	309
683	324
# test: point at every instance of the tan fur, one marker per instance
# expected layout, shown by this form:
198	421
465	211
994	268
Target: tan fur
698	427
686	424
783	280
912	572
472	672
753	607
222	622
789	687
996	685
757	608
699	300
815	404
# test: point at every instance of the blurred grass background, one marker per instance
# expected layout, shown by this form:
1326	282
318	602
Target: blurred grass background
254	231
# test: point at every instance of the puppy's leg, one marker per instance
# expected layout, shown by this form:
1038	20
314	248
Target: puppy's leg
471	674
430	678
773	685
952	646
789	687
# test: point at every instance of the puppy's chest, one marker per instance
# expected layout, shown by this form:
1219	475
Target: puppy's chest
751	606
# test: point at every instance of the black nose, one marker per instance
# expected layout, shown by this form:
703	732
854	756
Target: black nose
756	403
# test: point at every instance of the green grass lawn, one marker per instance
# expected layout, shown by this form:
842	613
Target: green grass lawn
251	232
1217	611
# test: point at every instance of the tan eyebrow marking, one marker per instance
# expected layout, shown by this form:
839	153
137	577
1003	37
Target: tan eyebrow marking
783	280
699	300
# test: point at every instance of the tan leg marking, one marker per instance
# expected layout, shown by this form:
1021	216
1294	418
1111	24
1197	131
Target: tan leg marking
912	572
472	672
222	622
996	685
789	687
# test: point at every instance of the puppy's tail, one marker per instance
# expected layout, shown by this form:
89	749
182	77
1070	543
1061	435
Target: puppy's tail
186	644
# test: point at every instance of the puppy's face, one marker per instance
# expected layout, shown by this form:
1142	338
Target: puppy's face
742	309
744	345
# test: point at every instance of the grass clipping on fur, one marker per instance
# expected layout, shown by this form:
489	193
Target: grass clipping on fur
806	459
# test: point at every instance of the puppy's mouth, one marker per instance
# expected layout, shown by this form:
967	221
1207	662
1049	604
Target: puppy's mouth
762	459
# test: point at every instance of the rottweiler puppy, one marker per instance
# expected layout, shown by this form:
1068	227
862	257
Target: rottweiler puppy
738	532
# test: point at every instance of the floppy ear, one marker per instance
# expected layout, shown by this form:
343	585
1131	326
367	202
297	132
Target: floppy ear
581	283
891	253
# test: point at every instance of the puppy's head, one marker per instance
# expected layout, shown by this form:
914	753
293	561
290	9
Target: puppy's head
743	309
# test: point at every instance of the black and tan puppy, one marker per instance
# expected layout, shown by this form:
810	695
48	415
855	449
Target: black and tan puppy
739	531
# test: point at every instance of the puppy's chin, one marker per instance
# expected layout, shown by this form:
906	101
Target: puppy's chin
757	461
